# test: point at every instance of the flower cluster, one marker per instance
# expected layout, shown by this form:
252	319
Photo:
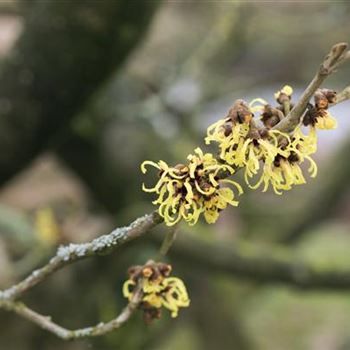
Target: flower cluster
158	289
247	138
268	154
187	190
281	167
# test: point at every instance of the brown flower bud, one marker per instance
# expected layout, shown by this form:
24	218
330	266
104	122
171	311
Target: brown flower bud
271	116
307	120
254	134
321	101
150	313
284	95
264	133
227	129
283	98
165	269
134	272
283	142
293	158
310	116
205	186
331	95
240	112
277	161
270	122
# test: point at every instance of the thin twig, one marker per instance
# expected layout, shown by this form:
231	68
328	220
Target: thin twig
168	241
345	57
336	56
342	96
45	322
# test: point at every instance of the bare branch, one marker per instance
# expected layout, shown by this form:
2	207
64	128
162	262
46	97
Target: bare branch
168	241
343	96
336	56
67	254
45	322
345	57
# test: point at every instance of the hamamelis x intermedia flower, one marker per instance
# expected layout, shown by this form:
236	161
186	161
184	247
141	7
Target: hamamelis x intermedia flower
281	168
158	289
185	191
243	149
273	157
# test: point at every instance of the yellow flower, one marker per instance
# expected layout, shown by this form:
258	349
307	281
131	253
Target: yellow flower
226	134
126	288
305	144
153	300
152	286
280	177
254	107
163	291
317	115
219	201
230	130
286	90
280	153
281	167
249	151
175	295
184	191
264	150
326	122
174	193
241	144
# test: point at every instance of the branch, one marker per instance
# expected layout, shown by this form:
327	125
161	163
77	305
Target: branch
332	61
342	96
68	254
45	322
168	241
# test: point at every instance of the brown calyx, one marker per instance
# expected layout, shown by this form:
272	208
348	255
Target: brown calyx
323	97
150	313
227	129
151	270
271	116
293	158
240	112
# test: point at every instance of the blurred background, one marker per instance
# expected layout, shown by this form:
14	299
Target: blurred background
91	88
